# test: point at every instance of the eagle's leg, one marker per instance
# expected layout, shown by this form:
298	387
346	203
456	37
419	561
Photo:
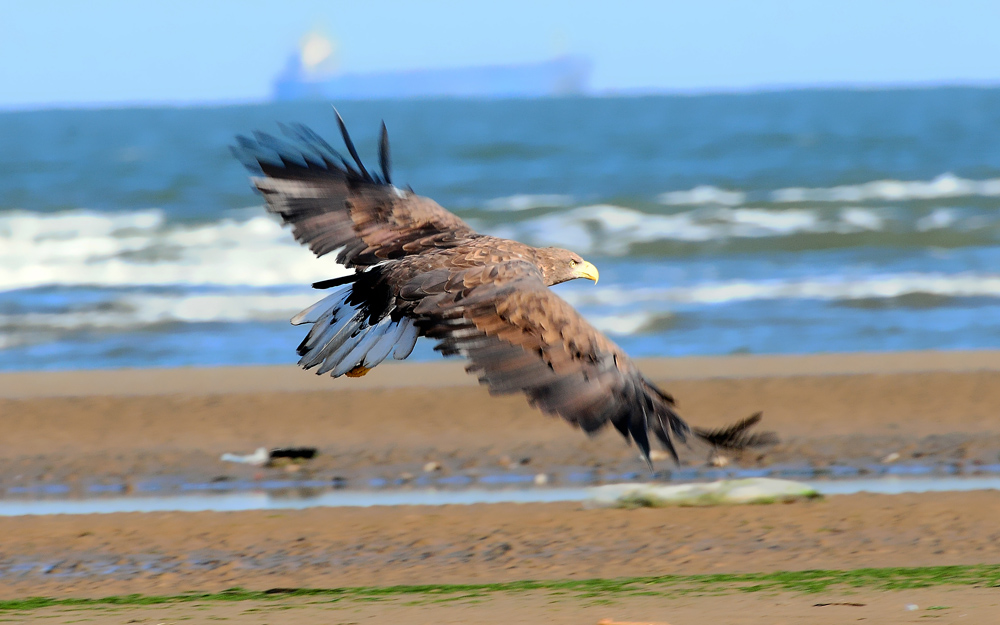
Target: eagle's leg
357	372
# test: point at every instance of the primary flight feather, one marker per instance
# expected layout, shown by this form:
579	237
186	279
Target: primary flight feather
422	271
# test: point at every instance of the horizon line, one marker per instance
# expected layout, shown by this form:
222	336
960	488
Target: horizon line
629	92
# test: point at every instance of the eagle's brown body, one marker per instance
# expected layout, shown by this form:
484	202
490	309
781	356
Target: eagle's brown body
422	271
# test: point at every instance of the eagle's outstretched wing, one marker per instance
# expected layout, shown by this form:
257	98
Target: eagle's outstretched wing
332	204
522	337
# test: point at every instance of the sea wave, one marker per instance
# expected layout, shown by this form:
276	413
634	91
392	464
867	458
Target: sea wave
944	186
89	248
610	229
141	248
628	324
829	288
525	201
613	230
126	311
135	310
703	194
30	316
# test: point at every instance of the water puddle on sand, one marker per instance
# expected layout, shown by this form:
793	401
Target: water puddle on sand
259	500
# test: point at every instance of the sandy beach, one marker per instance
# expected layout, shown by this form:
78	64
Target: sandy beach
81	428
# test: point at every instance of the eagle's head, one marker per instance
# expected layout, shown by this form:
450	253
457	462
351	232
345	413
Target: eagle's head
559	265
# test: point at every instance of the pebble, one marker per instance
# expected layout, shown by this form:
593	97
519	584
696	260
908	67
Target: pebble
507	462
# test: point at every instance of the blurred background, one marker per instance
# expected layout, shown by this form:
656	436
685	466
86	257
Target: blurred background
768	177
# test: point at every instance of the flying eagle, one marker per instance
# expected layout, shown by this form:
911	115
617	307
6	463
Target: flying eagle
422	271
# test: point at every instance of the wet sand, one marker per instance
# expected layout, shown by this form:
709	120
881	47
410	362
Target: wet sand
925	407
393	424
168	553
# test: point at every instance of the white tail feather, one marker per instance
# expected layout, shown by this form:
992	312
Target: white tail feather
359	351
381	349
406	341
341	339
326	305
332	338
336	356
333	318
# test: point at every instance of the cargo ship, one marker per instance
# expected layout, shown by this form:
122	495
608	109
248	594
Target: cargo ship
309	75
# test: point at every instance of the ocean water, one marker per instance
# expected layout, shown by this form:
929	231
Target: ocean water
795	222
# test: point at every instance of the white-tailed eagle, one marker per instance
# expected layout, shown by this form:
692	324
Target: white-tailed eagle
422	271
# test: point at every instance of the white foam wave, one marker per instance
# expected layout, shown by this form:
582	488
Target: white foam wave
624	324
944	186
131	312
938	219
642	308
967	284
527	201
704	194
107	249
611	230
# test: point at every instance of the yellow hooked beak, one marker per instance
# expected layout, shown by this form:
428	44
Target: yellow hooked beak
588	271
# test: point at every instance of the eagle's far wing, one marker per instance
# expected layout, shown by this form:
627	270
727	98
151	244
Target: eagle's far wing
333	205
522	337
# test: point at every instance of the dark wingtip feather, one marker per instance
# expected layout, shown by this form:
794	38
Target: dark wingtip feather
665	396
664	437
649	464
246	159
286	153
637	428
736	436
265	154
332	282
309	137
350	145
383	154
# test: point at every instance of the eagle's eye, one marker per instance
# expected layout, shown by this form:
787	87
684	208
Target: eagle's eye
573	263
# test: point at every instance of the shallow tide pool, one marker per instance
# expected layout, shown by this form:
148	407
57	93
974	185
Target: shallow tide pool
261	500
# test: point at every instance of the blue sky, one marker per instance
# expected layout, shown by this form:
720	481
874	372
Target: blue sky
115	52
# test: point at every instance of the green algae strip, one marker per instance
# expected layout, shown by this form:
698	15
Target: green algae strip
788	581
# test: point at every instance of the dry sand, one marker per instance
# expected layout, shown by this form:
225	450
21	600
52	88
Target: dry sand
78	428
976	606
